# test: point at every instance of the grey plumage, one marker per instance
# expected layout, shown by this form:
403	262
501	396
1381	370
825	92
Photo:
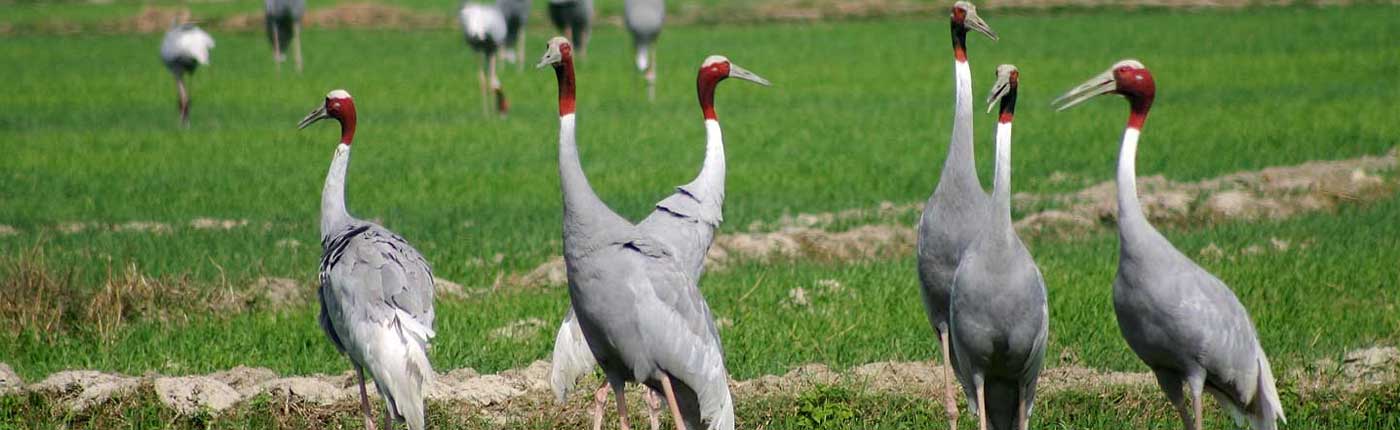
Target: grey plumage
574	18
644	19
517	14
998	317
376	291
640	312
485	30
686	221
184	48
955	213
1183	322
283	20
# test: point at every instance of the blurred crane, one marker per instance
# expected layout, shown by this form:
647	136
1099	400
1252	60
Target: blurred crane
183	50
284	29
517	14
573	18
644	19
376	290
485	31
1183	322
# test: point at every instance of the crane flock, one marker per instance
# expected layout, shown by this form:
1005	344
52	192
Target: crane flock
636	309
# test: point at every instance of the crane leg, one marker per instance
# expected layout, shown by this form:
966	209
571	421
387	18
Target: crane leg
296	44
276	45
671	401
651	75
1197	384
501	105
520	50
620	392
950	401
364	399
184	97
981	406
481	82
600	399
1171	385
1022	420
653	409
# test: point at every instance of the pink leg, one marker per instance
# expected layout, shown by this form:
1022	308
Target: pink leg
600	398
671	399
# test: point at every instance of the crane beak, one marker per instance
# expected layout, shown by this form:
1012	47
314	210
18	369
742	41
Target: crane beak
999	90
976	23
550	58
315	115
1099	85
739	72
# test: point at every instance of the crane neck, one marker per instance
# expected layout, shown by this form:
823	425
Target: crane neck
705	85
564	72
710	182
1001	184
959	42
347	123
333	212
1132	222
960	165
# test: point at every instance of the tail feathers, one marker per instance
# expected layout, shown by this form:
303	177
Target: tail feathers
404	374
1269	406
723	419
572	359
1265	411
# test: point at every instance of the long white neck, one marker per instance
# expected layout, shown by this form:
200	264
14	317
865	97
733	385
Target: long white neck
1001	183
711	178
584	213
1130	216
961	165
333	213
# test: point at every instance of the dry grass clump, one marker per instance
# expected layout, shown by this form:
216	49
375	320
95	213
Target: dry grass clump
40	300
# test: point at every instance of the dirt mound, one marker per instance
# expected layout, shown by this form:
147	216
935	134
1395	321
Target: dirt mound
217	224
351	15
81	389
9	380
1273	193
190	394
273	292
313	389
247	381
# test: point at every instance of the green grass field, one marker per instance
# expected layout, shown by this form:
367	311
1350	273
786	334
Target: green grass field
859	114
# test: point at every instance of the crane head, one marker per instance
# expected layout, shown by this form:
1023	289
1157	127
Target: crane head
338	105
1008	79
717	67
1128	78
964	15
556	52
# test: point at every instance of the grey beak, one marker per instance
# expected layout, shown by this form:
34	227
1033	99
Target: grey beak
998	90
739	72
976	23
316	115
1098	85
